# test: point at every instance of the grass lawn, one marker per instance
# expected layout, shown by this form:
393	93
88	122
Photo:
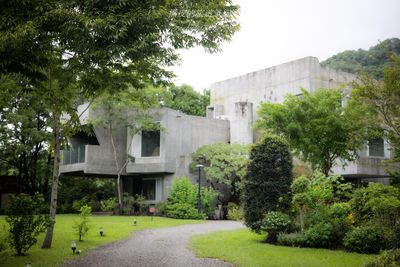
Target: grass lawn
243	248
115	228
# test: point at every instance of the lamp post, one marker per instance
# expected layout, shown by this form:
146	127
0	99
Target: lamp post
199	206
73	247
101	231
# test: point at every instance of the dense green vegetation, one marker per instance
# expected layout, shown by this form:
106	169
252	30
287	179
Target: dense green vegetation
182	203
381	99
246	249
185	99
115	228
372	61
267	181
67	52
318	128
225	167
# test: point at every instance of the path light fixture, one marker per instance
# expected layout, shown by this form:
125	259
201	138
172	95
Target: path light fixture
134	222
73	247
101	231
28	264
199	205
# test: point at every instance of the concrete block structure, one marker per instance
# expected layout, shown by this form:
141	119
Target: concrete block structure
162	155
159	156
272	85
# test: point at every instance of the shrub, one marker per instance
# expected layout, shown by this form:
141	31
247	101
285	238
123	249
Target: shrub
82	226
365	239
25	222
78	204
133	203
292	240
389	258
235	212
184	211
320	235
161	208
274	223
182	202
108	204
378	203
267	181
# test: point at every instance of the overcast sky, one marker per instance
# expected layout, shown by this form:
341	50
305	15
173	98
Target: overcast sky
273	32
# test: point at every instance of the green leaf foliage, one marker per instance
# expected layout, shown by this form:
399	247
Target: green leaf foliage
275	222
371	61
381	98
182	201
365	239
185	99
378	203
25	221
82	225
316	125
267	181
225	167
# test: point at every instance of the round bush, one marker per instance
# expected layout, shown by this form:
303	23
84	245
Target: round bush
364	239
320	235
275	222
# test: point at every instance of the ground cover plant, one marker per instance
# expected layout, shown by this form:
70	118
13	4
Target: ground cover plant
244	248
115	228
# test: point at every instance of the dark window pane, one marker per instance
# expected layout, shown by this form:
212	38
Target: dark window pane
149	189
151	143
376	148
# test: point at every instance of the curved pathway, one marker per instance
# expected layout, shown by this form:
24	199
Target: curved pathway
156	247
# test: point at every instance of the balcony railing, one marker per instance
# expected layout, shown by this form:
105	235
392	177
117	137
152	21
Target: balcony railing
74	155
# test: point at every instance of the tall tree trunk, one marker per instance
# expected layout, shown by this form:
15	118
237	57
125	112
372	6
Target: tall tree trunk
302	218
54	189
117	169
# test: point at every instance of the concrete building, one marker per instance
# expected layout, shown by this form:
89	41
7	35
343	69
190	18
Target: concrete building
237	100
159	156
162	155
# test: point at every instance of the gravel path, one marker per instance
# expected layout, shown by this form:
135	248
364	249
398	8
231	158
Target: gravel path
156	247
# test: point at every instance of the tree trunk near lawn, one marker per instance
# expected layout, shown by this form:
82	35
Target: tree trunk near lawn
54	188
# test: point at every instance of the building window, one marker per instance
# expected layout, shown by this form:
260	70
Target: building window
149	189
376	147
151	143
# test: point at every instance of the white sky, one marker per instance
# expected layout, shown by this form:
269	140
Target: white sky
276	31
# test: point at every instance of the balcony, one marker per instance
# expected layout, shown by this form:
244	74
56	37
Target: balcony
74	155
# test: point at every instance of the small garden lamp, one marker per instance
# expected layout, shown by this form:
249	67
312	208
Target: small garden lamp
73	246
134	221
101	231
28	264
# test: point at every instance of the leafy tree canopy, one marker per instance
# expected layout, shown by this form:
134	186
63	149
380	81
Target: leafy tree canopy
318	128
382	99
184	98
371	61
225	167
108	43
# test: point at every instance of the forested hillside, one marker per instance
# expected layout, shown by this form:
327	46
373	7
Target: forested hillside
371	61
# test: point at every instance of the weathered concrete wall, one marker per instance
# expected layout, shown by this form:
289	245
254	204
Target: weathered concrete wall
273	85
99	159
182	135
241	123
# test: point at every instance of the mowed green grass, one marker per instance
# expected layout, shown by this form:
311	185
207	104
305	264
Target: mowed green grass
115	228
243	248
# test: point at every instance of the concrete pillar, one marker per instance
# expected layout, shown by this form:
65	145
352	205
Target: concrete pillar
241	123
